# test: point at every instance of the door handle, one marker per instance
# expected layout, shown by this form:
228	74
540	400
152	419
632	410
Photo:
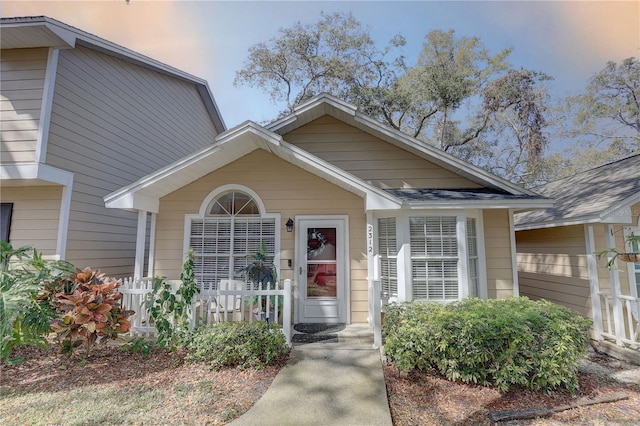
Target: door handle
301	270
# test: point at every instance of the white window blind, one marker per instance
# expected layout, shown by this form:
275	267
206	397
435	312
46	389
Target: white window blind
472	253
223	240
388	251
434	257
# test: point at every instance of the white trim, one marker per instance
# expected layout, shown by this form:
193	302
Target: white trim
32	171
141	239
43	172
483	291
152	246
463	259
373	271
46	105
594	283
514	256
63	221
227	188
479	204
338	221
188	218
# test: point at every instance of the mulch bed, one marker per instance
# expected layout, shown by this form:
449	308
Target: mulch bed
426	398
419	398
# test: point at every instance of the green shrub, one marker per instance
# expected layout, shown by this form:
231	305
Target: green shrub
24	314
238	344
533	344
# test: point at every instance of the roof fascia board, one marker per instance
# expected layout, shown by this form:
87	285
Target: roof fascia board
557	223
482	204
33	171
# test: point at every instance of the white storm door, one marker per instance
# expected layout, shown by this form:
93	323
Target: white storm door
321	273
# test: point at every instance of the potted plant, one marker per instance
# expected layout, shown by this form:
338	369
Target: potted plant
633	241
260	270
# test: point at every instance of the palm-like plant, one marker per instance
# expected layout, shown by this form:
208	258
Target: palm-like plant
24	316
261	271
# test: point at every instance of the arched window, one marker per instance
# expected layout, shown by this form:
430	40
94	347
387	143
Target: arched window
231	226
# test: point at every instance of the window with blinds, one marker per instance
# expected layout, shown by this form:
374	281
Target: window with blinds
388	251
231	231
434	257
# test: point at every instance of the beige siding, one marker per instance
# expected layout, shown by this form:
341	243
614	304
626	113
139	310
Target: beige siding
111	123
552	265
22	73
36	211
498	254
371	159
289	191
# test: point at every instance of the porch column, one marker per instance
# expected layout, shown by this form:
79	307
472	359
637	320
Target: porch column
614	277
371	268
141	238
594	284
152	244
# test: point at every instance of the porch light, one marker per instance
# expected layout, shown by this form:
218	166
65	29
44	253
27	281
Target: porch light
289	225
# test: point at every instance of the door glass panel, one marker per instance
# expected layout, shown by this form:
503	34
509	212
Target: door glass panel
321	262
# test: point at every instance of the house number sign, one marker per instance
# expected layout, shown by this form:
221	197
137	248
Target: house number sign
370	238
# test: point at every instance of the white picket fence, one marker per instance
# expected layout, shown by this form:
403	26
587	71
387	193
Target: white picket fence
230	300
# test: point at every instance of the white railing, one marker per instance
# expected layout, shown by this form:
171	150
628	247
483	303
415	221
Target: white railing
631	308
228	301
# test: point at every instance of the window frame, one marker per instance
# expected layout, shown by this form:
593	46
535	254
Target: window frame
403	241
263	214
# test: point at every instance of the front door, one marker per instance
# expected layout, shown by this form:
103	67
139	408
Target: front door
321	273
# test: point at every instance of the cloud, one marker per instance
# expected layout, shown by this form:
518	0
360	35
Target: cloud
600	30
159	29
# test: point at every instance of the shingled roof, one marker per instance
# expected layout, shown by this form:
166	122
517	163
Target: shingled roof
591	196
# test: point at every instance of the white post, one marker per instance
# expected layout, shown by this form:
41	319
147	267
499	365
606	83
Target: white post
614	277
514	255
152	245
377	314
594	284
286	314
141	237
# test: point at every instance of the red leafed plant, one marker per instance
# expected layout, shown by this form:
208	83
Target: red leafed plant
90	308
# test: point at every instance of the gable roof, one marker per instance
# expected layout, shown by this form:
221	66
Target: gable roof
326	104
603	194
42	31
229	146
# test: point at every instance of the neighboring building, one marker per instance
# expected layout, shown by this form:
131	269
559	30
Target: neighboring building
362	202
80	118
594	210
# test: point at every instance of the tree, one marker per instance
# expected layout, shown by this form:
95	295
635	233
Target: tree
603	122
306	60
425	100
609	110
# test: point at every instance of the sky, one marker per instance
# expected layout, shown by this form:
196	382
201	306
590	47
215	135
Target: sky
569	40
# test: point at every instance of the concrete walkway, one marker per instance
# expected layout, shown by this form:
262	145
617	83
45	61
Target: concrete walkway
326	383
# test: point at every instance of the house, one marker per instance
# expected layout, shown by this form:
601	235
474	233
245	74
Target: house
595	210
339	200
80	118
